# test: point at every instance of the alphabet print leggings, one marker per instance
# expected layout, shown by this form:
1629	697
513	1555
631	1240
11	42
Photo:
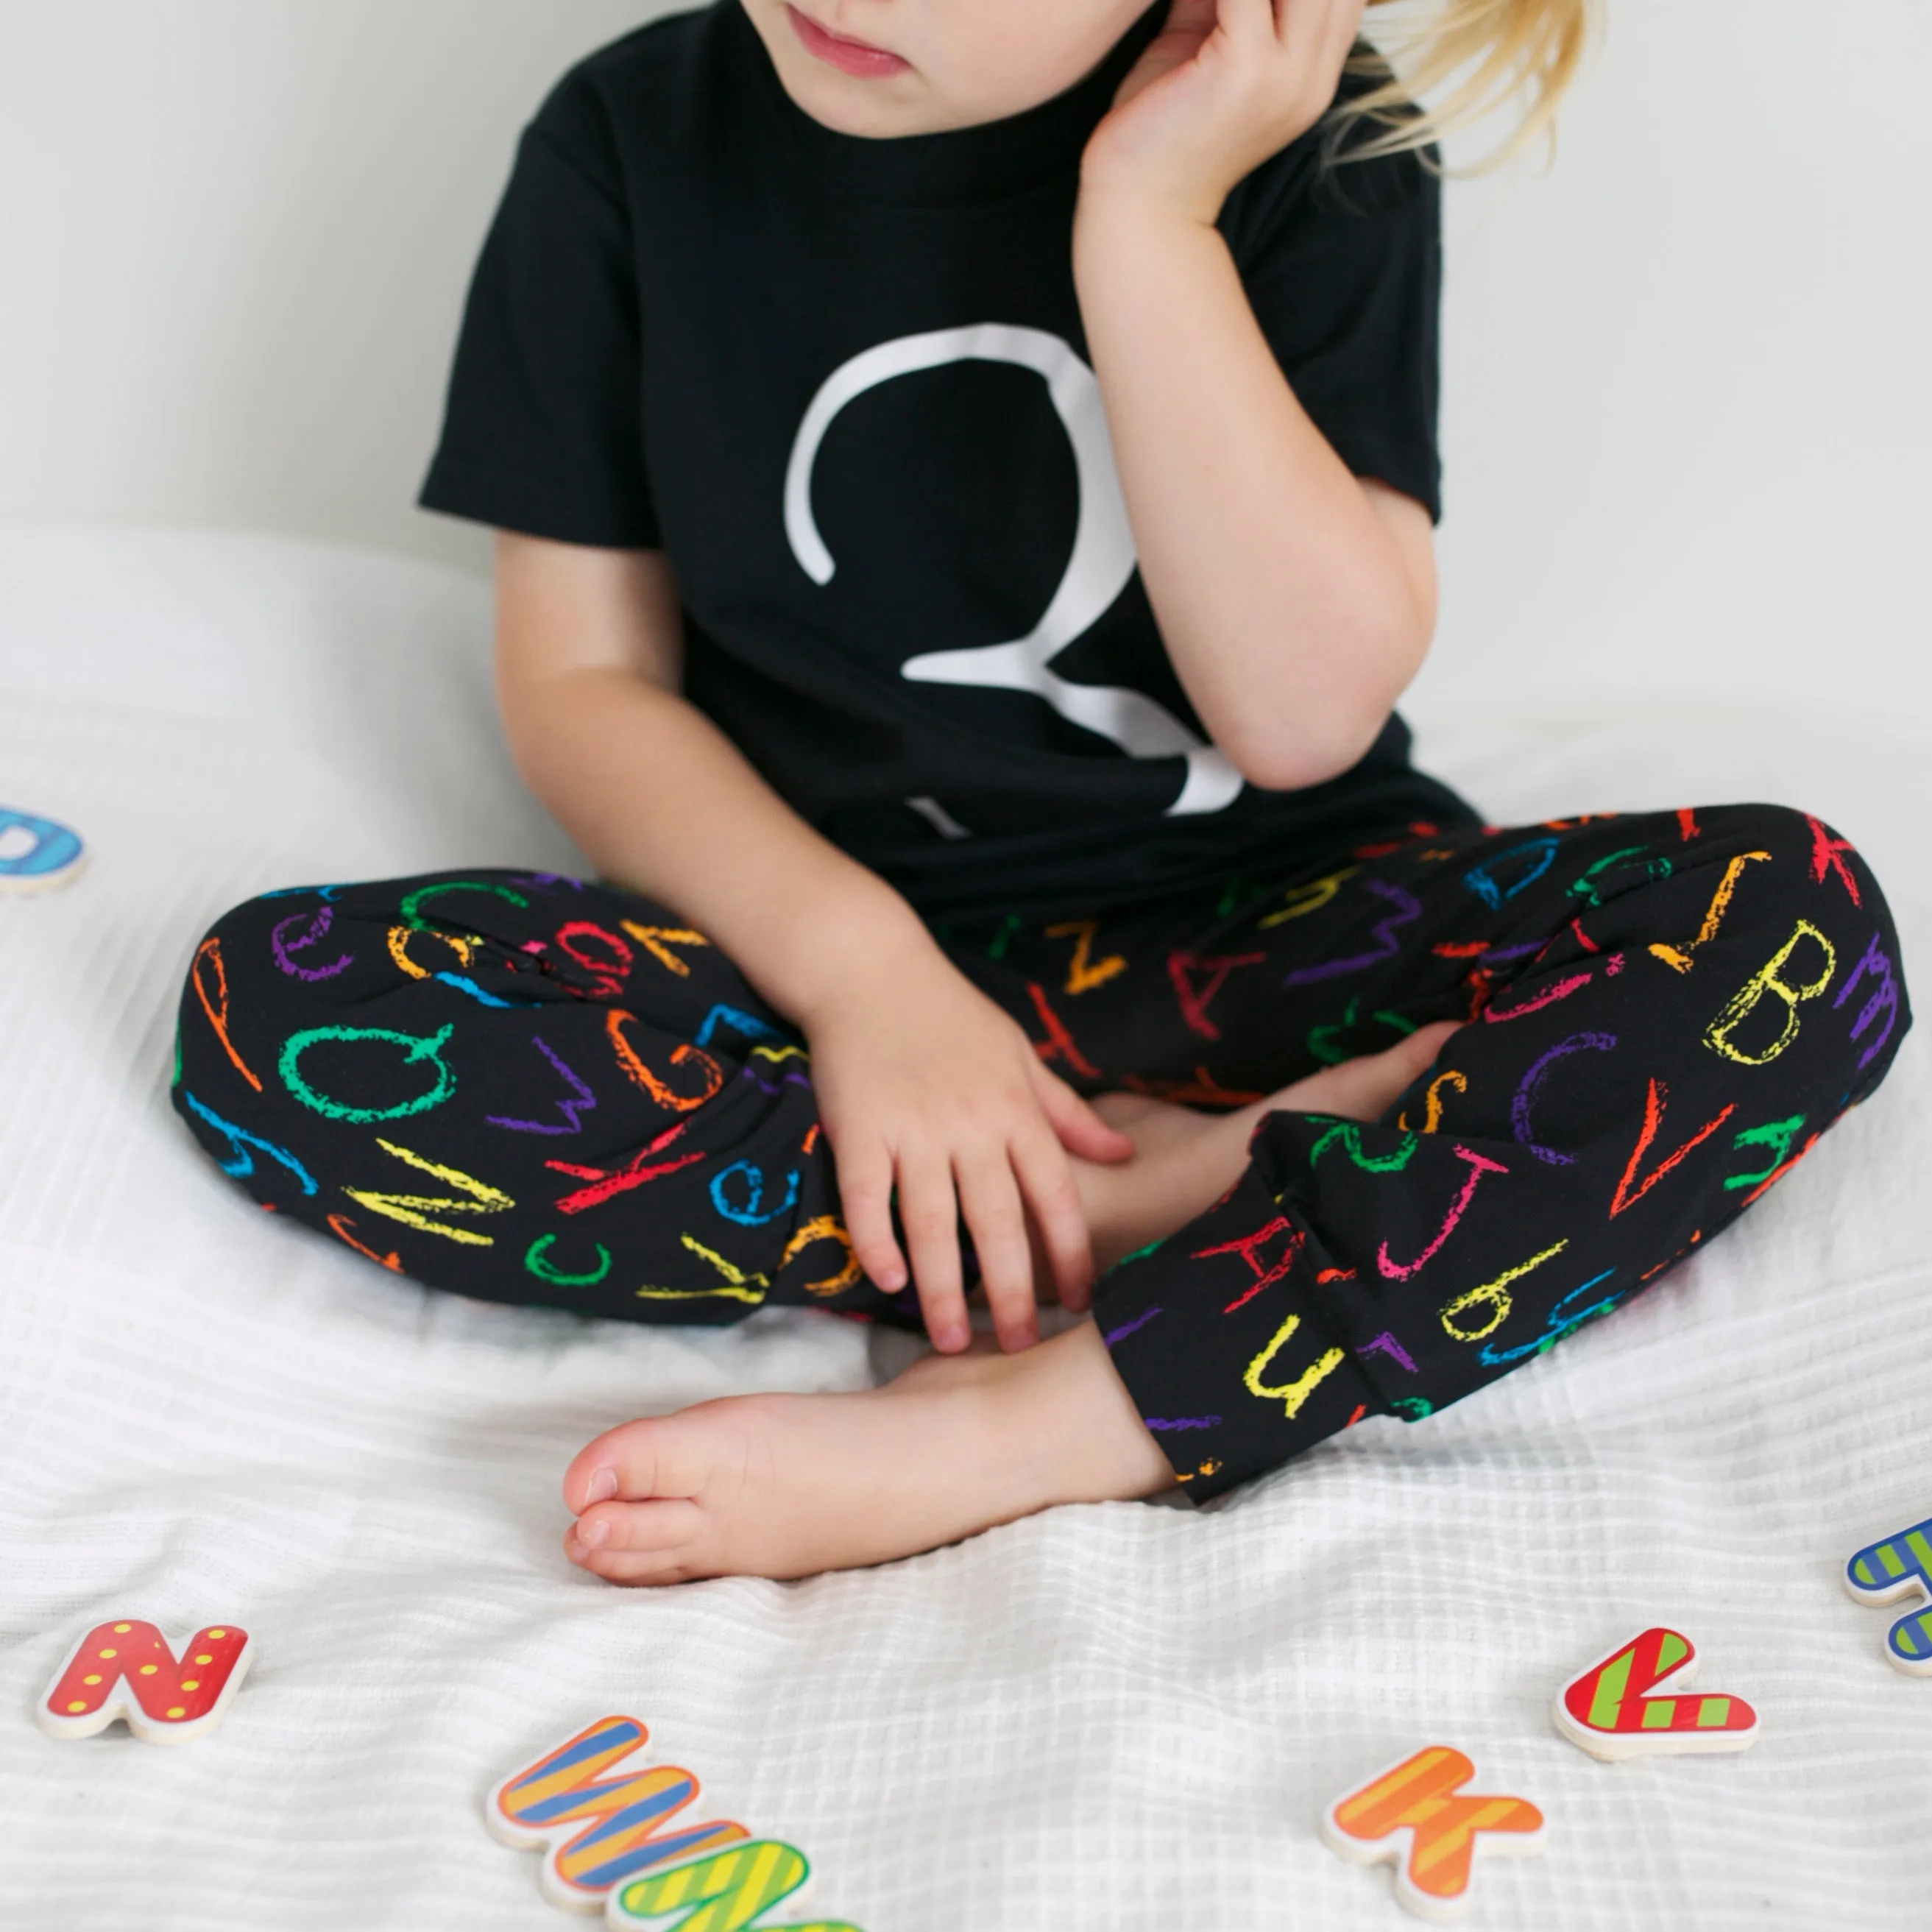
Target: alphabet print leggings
528	1089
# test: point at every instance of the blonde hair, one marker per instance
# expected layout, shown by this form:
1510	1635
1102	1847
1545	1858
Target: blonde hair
1442	65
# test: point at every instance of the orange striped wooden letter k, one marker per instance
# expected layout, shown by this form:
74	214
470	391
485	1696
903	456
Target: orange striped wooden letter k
1421	1800
598	1832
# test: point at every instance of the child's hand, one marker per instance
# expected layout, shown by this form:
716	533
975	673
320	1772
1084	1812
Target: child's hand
1228	83
924	1084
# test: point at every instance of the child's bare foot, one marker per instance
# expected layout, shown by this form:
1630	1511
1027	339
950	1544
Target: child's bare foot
790	1485
1184	1162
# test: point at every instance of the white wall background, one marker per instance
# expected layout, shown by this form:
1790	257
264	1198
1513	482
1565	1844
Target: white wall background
1689	415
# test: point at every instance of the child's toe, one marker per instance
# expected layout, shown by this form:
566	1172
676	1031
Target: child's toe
640	1528
639	1568
638	1461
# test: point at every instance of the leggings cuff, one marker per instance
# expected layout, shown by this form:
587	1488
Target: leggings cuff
1219	1337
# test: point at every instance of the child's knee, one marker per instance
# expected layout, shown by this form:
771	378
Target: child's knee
1829	945
1811	857
265	968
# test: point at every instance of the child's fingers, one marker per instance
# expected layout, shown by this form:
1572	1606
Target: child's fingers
1046	1180
1080	1130
989	1199
1315	35
1247	20
1316	23
930	1216
1344	28
865	1197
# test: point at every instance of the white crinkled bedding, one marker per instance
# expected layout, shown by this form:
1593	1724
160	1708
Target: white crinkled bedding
1118	1717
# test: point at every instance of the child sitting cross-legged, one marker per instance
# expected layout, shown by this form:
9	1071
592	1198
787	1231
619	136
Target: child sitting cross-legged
966	472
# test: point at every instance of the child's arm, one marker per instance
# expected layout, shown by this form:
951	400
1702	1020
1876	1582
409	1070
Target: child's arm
1296	601
923	1083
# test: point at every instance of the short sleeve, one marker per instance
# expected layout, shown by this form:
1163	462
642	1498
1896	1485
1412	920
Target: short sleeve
543	433
1343	263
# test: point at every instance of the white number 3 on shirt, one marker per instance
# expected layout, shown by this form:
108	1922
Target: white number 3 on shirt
1102	562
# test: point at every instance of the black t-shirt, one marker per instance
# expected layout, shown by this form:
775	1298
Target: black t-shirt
841	383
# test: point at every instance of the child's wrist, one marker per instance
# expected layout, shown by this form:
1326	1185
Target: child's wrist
846	949
1119	230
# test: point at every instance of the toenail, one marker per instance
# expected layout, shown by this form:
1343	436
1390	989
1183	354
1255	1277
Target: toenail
593	1535
603	1487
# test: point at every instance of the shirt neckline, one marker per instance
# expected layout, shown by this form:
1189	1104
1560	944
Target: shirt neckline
958	165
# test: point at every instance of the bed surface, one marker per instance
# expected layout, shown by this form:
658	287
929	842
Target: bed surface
1121	1717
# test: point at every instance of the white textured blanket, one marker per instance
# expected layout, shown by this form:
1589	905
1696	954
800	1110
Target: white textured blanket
1117	1718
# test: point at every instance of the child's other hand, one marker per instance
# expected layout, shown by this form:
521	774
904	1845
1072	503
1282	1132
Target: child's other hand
925	1087
1228	83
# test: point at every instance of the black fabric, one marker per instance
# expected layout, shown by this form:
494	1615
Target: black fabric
684	258
528	1089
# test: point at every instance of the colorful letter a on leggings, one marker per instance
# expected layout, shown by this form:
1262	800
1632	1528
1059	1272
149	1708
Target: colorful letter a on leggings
1423	1798
1615	1709
1900	1566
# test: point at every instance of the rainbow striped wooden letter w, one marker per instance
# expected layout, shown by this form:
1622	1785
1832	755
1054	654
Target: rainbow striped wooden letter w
729	1891
599	1831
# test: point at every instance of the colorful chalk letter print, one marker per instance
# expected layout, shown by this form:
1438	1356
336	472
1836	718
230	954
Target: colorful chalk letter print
1623	1705
126	1670
1900	1566
36	854
1416	1815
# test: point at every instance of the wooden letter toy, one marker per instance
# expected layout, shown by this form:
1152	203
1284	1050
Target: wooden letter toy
36	855
1900	1566
1420	1800
604	1850
126	1670
598	1831
729	1891
1620	1707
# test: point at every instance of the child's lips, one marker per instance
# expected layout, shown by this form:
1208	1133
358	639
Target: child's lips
860	58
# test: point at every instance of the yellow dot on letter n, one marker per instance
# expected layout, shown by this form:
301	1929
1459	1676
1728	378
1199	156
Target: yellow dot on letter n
1767	980
1290	1395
